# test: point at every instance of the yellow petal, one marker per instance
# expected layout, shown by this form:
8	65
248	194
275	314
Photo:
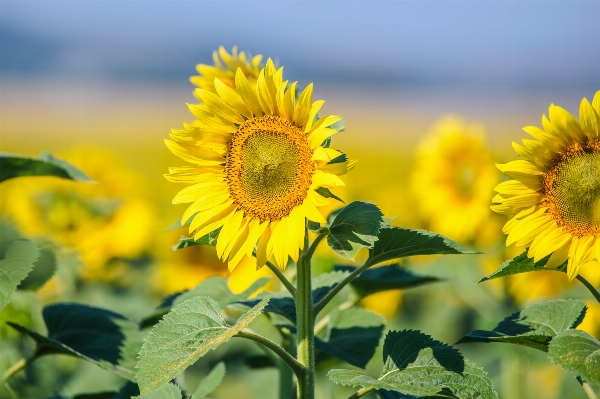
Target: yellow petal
232	98
328	180
339	168
207	201
219	107
205	225
579	252
193	155
548	242
311	212
264	95
326	122
246	92
528	228
303	106
590	120
262	254
564	122
208	120
559	256
520	168
318	136
229	232
198	190
596	102
516	187
314	110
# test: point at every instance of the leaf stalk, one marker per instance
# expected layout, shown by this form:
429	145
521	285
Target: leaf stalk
296	367
587	388
360	393
589	286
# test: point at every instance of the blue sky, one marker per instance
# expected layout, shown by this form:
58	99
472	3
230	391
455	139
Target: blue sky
517	44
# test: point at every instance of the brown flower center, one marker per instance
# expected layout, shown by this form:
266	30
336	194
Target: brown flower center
269	167
572	189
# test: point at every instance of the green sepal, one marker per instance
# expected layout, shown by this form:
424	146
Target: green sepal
326	193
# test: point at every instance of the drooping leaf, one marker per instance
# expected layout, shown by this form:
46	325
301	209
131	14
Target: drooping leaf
208	239
168	391
210	382
353	334
190	330
213	287
43	269
12	165
18	262
99	336
415	364
391	277
534	326
522	264
396	242
356	226
577	352
283	304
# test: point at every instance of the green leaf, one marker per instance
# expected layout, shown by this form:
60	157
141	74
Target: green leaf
396	242
210	382
208	239
325	192
534	326
415	364
17	264
189	331
99	336
356	226
313	226
522	264
43	270
391	277
353	334
214	287
12	165
168	391
578	353
282	303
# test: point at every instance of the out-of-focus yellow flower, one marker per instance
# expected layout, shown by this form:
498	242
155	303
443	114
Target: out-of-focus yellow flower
258	165
225	67
453	178
385	303
554	195
105	221
591	322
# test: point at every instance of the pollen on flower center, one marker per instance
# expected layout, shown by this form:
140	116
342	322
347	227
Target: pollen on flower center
269	167
572	189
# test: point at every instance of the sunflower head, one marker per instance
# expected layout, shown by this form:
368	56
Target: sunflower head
554	194
259	155
453	177
224	68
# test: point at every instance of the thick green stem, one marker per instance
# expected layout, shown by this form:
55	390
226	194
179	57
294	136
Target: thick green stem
587	388
590	287
305	322
361	392
296	367
18	366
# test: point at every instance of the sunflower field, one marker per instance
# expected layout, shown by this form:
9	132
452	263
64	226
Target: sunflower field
393	200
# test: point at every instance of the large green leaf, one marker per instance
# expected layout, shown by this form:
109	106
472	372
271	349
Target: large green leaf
396	242
391	277
213	287
99	336
522	264
43	269
415	364
168	391
190	330
534	326
356	226
208	239
12	165
210	382
18	262
353	334
577	352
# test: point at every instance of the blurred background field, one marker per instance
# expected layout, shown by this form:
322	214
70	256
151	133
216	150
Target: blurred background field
432	93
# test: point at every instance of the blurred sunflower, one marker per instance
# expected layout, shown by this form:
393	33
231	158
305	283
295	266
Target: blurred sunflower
258	160
554	194
108	221
452	179
224	68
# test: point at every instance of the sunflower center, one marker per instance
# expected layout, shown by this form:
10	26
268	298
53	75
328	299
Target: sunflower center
572	188
269	167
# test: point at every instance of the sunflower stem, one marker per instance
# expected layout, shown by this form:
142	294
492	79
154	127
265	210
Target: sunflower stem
305	321
323	302
360	393
587	388
589	286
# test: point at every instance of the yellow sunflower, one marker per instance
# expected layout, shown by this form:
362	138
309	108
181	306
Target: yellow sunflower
224	68
259	157
554	194
453	177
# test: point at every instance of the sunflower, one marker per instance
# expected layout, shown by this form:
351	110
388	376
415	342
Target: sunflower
259	158
224	68
453	177
554	193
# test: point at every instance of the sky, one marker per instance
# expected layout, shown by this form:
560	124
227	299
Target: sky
524	45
